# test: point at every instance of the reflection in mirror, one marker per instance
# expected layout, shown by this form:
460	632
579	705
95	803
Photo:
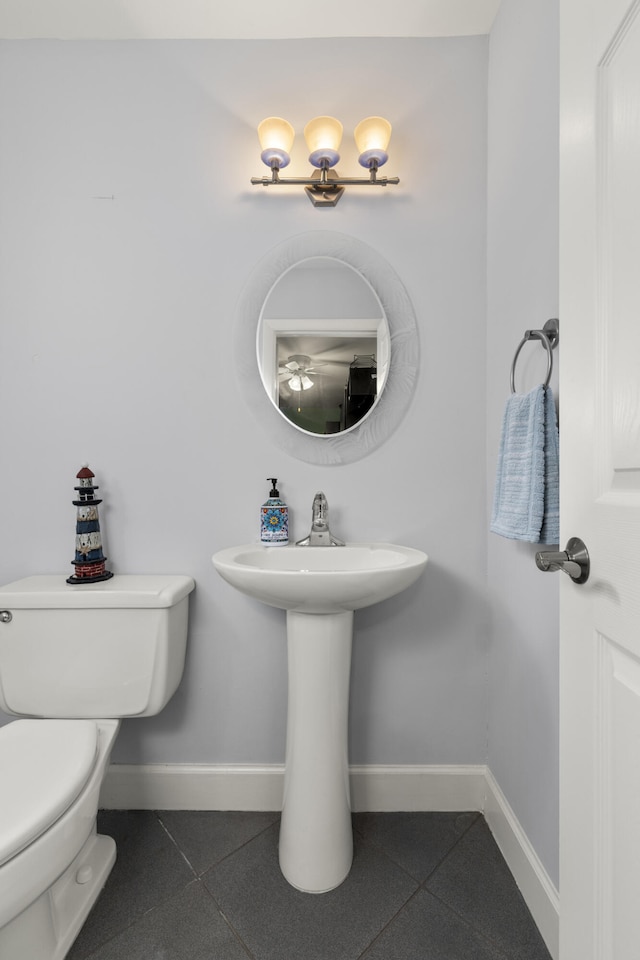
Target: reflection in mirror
323	346
322	390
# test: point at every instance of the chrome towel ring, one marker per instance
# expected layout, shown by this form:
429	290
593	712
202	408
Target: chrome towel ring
549	335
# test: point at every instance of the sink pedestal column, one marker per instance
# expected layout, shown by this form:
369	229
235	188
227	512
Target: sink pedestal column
316	839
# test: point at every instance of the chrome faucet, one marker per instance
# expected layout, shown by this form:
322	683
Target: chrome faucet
320	535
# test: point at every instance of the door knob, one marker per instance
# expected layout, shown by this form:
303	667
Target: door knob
574	560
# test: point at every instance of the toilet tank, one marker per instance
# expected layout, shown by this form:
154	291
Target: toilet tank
110	649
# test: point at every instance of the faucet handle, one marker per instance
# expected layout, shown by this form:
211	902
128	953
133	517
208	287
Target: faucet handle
320	508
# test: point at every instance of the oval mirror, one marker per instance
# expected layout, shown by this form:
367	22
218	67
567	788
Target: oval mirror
323	346
291	323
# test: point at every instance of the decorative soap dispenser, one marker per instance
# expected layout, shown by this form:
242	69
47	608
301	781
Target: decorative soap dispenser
274	519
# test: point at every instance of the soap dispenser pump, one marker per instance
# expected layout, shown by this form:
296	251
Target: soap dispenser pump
274	519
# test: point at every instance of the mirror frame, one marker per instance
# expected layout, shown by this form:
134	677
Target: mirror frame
339	448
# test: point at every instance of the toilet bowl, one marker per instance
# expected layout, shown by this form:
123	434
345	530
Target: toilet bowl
118	648
52	863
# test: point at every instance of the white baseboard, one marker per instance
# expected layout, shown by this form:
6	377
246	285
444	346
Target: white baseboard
191	786
534	883
236	787
415	788
373	788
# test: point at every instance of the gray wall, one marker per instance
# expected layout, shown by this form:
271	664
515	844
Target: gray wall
116	339
117	349
522	254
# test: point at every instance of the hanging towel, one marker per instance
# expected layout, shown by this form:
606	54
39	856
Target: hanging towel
525	503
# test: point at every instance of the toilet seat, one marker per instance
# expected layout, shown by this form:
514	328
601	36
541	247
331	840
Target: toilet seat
45	764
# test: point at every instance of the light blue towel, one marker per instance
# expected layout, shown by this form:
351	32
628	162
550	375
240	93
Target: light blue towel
526	498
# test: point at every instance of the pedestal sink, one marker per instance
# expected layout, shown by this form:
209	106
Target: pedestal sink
319	587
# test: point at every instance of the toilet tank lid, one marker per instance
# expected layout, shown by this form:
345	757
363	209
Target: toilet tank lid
121	591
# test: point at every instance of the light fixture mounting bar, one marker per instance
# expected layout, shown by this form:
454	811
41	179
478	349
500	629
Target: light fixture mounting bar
324	188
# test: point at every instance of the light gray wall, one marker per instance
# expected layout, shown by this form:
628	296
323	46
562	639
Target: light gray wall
522	255
128	230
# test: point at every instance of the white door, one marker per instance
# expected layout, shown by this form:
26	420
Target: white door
600	479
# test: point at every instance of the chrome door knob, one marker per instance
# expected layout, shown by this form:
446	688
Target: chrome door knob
574	560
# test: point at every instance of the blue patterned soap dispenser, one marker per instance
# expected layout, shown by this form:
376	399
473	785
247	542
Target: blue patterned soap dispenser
274	519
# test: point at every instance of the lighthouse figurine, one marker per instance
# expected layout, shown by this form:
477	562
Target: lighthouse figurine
89	560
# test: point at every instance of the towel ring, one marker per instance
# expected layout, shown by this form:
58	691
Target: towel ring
549	336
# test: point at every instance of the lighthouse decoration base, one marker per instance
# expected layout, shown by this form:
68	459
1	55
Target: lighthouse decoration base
89	560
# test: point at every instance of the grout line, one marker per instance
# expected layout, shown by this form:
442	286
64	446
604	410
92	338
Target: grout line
233	852
370	842
451	848
421	883
475	930
362	956
228	923
135	921
215	863
175	843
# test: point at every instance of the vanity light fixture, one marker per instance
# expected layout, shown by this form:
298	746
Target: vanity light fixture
323	135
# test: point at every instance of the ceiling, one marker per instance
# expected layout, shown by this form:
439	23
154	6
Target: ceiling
242	19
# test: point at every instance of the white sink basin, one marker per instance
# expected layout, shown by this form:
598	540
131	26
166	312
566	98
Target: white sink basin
320	579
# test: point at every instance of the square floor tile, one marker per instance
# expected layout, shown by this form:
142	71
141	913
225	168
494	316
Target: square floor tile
205	838
427	930
475	881
278	922
186	927
415	841
149	868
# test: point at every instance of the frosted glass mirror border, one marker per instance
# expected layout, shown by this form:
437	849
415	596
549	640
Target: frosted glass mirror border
390	408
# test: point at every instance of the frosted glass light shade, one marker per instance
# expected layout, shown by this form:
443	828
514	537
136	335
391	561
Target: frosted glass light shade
323	136
276	138
300	382
372	139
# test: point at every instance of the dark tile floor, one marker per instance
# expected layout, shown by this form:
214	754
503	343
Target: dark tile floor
207	886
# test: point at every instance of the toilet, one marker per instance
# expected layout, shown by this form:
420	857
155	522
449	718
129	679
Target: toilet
74	660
